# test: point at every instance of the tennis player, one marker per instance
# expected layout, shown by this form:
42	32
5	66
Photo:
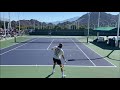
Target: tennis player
58	53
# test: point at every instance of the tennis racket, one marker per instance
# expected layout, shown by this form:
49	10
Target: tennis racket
65	62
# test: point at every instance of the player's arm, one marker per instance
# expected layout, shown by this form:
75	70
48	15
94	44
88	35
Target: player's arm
63	57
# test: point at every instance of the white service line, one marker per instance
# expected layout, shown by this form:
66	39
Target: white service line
83	52
48	49
50	44
29	49
15	48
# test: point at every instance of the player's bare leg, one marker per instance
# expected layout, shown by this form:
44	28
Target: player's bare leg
54	68
63	75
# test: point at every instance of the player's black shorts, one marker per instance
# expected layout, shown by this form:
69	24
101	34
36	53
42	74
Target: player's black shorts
58	61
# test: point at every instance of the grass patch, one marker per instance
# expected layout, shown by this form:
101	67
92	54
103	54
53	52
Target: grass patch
10	42
44	71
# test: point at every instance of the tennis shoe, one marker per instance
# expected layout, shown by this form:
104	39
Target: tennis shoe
63	76
53	72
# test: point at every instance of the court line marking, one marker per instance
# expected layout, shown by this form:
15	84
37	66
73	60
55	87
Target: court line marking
29	49
45	49
16	47
99	54
50	44
83	52
13	44
52	65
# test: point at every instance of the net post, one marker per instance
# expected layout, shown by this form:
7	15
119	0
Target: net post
14	38
87	39
119	70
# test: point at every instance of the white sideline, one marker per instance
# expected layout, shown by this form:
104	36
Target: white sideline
83	53
15	48
99	55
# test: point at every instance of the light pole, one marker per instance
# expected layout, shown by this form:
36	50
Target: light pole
41	25
19	21
73	25
38	25
77	24
98	19
0	19
34	24
118	37
88	26
118	29
9	21
4	24
0	16
98	23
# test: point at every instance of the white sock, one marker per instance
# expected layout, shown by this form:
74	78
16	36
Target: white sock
62	73
53	70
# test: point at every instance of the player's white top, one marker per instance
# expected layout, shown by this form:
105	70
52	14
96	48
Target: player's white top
58	52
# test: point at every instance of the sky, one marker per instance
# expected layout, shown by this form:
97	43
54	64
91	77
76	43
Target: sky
44	16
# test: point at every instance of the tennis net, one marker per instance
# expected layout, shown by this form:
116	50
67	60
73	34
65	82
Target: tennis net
49	39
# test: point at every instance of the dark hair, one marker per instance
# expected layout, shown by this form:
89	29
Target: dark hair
60	45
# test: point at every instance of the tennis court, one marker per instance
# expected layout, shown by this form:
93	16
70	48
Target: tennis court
36	52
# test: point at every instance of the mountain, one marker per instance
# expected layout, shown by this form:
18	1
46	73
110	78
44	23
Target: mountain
26	23
105	19
69	20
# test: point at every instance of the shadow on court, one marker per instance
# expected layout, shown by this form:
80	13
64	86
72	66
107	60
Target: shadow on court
49	75
86	59
113	59
103	45
110	54
107	56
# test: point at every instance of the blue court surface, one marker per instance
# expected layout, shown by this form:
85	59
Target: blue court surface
37	51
